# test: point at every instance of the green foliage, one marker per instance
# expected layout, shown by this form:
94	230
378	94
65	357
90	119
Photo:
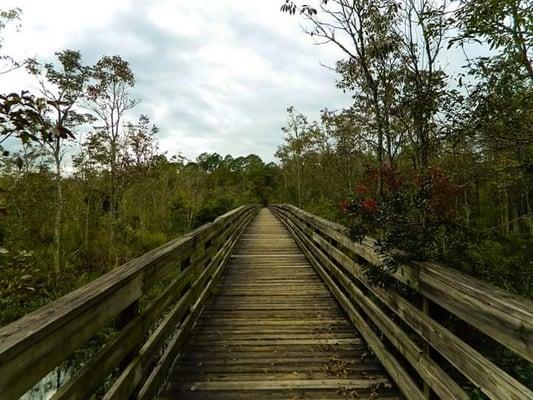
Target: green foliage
158	200
410	119
110	73
503	24
212	209
7	18
412	217
122	198
431	170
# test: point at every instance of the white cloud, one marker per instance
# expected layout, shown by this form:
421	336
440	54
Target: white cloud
215	76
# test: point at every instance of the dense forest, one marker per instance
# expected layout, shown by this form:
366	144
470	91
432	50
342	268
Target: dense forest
431	158
83	190
434	160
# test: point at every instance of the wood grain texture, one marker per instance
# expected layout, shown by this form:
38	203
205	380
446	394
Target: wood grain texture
501	315
481	371
35	344
273	330
399	375
141	378
293	317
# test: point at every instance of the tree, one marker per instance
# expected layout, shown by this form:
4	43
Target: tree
503	24
192	192
209	162
23	116
7	17
497	115
263	179
141	141
425	82
365	31
109	98
296	126
62	88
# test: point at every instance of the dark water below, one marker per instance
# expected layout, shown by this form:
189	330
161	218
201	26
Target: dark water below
48	386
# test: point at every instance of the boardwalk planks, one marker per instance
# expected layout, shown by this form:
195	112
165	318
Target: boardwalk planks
34	345
293	317
273	330
500	315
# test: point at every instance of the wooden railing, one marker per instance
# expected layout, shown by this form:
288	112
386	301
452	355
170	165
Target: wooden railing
151	303
401	331
146	337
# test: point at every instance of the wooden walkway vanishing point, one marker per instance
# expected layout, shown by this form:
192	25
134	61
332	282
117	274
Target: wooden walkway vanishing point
272	330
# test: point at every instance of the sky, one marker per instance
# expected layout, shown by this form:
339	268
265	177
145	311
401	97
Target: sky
215	76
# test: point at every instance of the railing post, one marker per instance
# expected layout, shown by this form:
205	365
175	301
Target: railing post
426	346
124	318
197	255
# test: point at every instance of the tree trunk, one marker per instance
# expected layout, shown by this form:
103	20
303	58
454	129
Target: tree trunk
467	209
515	217
380	163
87	218
299	181
59	210
505	212
529	217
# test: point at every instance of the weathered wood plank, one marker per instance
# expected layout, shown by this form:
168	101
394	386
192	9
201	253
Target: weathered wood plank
393	367
476	302
35	344
24	368
151	385
289	394
132	376
286	384
489	377
429	370
87	379
267	314
505	317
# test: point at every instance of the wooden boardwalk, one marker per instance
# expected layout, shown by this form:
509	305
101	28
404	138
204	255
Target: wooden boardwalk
252	307
273	330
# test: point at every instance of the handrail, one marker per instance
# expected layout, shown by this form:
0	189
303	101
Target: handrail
505	317
34	345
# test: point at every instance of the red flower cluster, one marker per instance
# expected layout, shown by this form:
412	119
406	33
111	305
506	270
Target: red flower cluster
443	192
391	179
344	205
369	205
361	189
